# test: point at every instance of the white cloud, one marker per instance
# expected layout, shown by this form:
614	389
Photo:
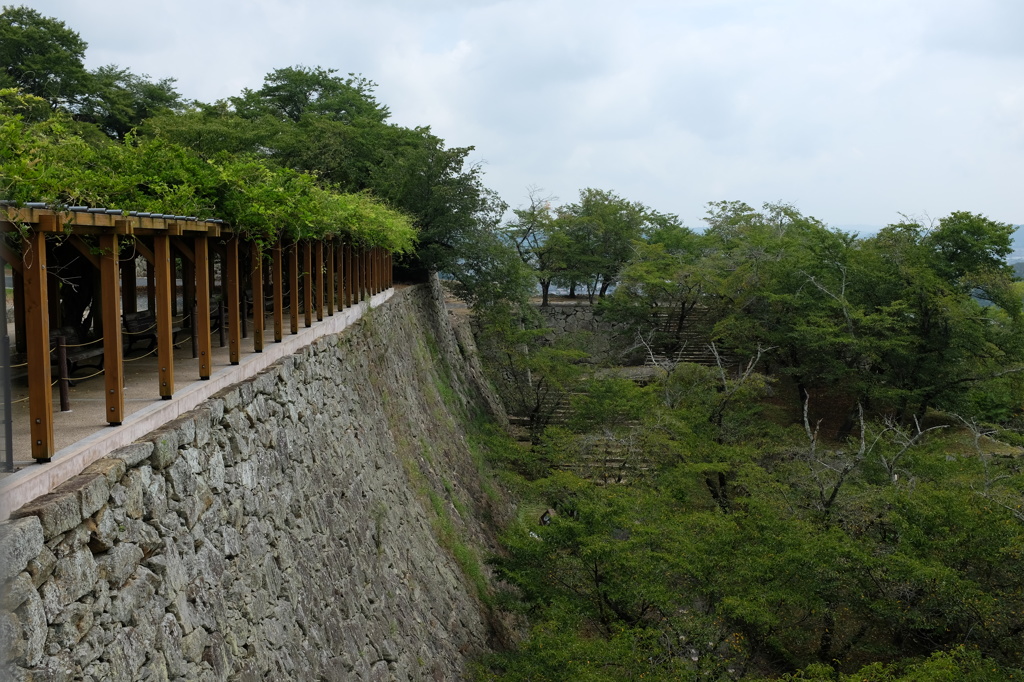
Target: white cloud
853	109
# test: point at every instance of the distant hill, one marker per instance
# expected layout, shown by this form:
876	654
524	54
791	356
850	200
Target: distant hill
1019	268
1018	246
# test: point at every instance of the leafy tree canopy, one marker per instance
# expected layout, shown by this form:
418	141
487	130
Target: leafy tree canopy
42	56
297	91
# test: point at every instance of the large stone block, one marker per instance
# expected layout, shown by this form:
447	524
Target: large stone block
229	398
129	493
92	490
165	447
134	453
193	644
32	618
104	526
41	567
202	425
110	467
182	479
139	590
15	592
69	627
57	512
186	428
119	564
74	576
21	540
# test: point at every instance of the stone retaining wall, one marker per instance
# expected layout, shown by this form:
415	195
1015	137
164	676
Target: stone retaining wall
280	531
601	339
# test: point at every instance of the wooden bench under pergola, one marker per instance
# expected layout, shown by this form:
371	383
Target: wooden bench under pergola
328	274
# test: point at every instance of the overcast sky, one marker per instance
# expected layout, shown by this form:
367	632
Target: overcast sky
853	110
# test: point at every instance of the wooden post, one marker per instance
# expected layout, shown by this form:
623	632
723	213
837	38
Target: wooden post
113	350
258	320
370	272
307	282
377	270
5	396
277	263
318	269
201	328
243	279
213	271
366	273
37	338
350	276
293	285
331	289
233	296
164	331
346	268
5	372
356	275
342	273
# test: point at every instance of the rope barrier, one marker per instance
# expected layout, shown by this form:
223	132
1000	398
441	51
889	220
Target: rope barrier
84	378
79	345
140	357
138	333
21	400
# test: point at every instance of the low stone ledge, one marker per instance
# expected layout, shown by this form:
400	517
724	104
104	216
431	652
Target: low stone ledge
110	468
134	453
57	512
91	490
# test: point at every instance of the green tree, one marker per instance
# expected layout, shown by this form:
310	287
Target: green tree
297	91
533	234
42	56
599	230
120	100
310	119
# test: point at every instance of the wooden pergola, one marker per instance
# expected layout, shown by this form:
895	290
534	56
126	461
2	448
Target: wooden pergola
327	275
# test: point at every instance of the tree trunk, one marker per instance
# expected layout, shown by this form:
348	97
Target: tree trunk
544	286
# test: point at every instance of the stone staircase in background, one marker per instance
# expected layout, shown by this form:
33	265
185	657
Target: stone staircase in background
690	344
